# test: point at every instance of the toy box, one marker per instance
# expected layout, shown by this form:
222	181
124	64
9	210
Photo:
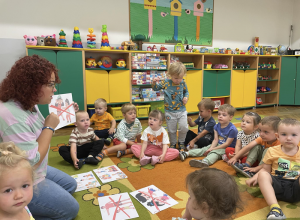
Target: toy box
115	112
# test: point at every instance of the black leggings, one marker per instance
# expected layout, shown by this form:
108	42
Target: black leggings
202	142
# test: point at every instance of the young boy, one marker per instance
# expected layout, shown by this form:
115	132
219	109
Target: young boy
83	143
279	177
257	148
128	130
176	96
105	124
205	124
224	136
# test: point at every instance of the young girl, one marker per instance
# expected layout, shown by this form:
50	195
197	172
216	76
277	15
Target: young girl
68	117
213	195
16	182
248	133
155	146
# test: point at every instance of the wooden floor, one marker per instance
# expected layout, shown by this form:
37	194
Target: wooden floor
281	111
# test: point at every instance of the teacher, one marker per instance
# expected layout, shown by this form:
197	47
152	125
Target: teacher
32	81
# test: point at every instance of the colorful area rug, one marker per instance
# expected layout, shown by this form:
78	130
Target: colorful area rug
169	177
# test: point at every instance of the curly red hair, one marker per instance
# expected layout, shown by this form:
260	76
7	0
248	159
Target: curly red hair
24	81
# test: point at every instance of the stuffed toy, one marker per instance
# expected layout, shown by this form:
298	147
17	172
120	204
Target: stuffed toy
30	40
40	41
49	41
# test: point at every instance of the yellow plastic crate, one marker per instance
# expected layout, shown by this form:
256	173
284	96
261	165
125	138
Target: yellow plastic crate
115	112
142	110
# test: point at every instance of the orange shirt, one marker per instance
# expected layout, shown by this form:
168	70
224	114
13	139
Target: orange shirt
102	122
265	144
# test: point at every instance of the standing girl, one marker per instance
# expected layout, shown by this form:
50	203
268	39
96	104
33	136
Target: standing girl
68	116
16	182
155	146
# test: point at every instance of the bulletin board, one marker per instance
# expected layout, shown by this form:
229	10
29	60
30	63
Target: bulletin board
172	21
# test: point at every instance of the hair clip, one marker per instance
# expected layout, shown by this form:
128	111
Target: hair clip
5	153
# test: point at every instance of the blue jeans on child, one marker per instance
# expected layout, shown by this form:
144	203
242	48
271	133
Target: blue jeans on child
52	198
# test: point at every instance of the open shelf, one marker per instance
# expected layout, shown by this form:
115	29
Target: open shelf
193	69
217	69
244	69
142	70
268	69
251	60
106	69
265	93
267	80
143	85
266	105
146	101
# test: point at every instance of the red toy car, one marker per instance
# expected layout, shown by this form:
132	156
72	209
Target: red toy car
258	101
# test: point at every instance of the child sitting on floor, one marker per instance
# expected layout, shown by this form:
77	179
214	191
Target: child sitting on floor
83	143
213	195
257	148
279	178
205	124
128	130
155	146
225	136
16	183
105	124
248	134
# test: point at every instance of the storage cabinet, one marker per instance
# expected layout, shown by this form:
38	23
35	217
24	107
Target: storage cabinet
119	86
194	82
97	81
290	81
216	83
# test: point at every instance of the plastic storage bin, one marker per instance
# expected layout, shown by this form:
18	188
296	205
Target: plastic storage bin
142	110
115	112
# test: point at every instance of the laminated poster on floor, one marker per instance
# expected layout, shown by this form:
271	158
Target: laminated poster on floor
109	174
153	199
62	106
117	207
85	181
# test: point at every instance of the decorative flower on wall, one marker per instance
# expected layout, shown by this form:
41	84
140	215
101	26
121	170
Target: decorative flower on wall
103	190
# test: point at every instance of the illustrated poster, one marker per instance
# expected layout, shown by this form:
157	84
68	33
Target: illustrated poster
62	106
85	181
109	174
117	207
153	199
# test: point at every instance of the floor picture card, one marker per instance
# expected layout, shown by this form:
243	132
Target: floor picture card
153	199
117	207
85	181
109	174
62	106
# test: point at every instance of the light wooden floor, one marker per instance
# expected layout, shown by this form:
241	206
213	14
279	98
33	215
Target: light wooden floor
281	111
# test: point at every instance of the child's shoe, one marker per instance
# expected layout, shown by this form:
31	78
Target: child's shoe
120	153
183	155
106	142
145	160
80	163
173	146
181	147
99	157
239	167
91	160
198	163
154	160
224	157
276	215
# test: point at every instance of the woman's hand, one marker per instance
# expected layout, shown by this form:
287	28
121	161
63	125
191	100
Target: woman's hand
76	107
52	120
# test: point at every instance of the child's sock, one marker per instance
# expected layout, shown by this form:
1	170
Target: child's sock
105	152
90	156
123	152
275	205
100	157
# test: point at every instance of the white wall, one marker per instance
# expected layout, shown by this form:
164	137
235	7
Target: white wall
236	22
296	26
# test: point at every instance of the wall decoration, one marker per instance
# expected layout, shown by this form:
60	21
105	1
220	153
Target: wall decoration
172	21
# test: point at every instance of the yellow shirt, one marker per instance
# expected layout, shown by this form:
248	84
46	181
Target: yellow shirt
283	165
102	122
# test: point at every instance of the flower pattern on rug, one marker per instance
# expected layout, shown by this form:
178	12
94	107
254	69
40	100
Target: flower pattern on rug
133	164
183	196
241	182
56	148
103	190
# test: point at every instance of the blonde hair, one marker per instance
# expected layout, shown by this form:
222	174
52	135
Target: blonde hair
80	112
101	101
127	107
227	108
289	122
208	104
11	157
271	121
157	114
177	69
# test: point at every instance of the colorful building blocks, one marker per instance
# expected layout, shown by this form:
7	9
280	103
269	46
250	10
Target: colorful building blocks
62	39
91	39
76	38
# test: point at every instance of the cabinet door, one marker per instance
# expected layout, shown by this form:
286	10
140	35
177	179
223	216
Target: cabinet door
194	81
237	88
69	64
119	86
249	85
223	82
297	91
96	85
49	55
210	83
287	81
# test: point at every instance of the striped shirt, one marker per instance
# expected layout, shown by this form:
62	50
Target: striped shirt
80	138
127	131
23	127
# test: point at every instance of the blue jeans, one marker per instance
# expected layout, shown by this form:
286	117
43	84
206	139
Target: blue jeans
52	198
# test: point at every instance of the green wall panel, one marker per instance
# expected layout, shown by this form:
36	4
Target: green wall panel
287	80
210	83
